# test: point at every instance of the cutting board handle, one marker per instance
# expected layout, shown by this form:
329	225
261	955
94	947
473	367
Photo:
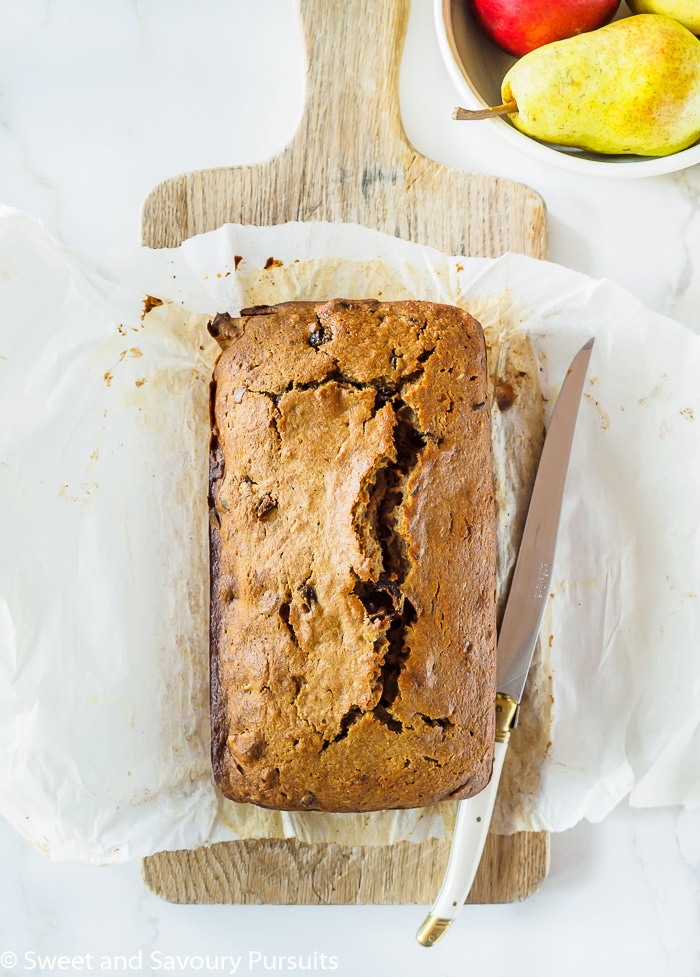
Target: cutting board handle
352	90
350	160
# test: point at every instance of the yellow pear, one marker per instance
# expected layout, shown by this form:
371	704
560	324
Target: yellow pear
630	87
686	12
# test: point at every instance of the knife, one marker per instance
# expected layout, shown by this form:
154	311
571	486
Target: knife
516	645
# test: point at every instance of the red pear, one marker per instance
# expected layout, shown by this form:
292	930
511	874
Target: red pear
519	26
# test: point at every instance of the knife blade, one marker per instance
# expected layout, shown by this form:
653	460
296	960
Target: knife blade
517	639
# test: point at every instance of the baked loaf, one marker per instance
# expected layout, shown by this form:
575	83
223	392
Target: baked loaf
353	552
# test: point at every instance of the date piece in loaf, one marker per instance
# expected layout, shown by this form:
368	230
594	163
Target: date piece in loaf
353	557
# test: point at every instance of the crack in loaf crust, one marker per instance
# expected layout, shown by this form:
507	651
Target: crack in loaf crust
353	556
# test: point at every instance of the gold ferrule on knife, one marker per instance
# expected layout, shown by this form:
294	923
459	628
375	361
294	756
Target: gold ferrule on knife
506	716
432	930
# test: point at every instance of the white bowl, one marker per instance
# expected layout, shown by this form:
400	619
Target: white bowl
477	66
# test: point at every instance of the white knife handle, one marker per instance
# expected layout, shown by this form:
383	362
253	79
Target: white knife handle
468	840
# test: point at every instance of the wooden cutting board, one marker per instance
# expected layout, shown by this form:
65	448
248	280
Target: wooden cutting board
350	161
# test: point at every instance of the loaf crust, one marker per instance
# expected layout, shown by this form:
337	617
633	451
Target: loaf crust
353	557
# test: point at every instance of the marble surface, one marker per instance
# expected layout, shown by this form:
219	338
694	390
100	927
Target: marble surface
100	102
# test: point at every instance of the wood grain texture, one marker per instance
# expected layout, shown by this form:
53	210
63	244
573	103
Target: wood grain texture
291	873
350	161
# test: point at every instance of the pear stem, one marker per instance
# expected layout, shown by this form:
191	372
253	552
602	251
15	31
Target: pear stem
471	114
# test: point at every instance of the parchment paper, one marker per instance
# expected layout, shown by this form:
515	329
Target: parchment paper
104	729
